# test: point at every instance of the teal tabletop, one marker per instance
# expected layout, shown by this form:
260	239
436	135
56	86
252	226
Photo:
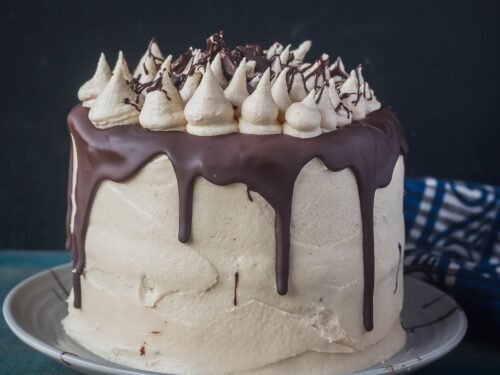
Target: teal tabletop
478	354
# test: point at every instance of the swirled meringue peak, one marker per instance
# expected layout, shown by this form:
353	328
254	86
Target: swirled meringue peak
298	88
121	63
285	55
300	52
325	106
352	96
94	86
163	107
337	71
208	112
190	85
165	67
317	73
148	72
254	81
153	50
280	95
303	119
237	91
116	105
372	104
218	72
276	67
250	68
344	115
275	49
259	113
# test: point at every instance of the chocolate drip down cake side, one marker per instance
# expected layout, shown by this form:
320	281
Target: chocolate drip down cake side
235	211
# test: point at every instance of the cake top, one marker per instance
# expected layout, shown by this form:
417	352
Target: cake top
219	90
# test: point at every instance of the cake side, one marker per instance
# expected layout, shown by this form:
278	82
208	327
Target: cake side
182	302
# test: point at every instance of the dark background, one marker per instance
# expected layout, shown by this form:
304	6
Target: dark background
435	62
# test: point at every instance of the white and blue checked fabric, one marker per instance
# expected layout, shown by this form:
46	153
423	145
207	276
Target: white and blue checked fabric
453	237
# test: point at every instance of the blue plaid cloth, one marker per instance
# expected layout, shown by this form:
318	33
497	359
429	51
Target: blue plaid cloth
453	238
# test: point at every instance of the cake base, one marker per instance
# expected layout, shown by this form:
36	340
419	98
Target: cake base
311	363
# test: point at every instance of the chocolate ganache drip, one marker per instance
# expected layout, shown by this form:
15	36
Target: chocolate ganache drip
268	165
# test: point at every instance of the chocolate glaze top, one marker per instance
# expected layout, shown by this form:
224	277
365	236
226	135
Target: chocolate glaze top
267	164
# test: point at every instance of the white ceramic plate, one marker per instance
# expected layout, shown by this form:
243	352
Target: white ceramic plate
34	310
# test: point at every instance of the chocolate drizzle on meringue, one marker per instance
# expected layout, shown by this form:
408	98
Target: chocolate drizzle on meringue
268	165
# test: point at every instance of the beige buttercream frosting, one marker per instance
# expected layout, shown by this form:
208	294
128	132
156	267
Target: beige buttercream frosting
325	106
259	113
163	107
94	86
208	112
121	63
236	92
352	96
280	95
216	66
116	105
303	119
298	91
153	49
300	52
